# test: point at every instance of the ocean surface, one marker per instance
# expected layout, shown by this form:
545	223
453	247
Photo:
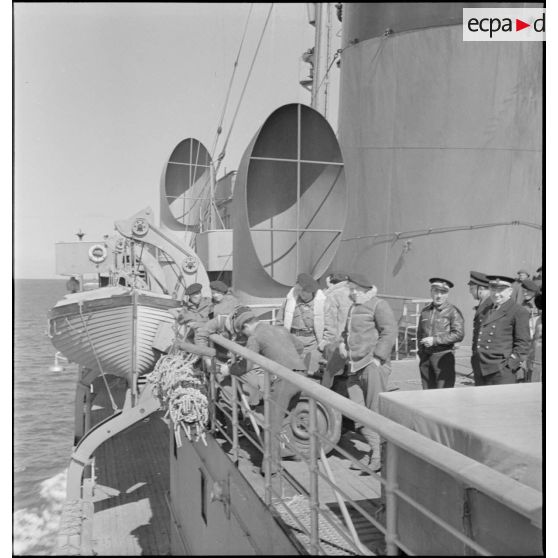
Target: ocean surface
43	419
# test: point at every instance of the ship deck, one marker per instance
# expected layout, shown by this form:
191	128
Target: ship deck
127	490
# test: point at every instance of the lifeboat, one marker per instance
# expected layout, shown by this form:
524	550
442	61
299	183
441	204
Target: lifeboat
112	329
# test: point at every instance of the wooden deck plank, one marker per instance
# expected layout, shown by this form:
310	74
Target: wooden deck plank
132	476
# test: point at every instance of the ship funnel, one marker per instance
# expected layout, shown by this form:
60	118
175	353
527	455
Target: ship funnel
289	202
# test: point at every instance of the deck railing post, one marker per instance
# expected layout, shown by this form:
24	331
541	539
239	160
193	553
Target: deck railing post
234	385
267	438
391	499
313	465
213	396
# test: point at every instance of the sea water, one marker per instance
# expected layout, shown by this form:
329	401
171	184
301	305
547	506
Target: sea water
43	419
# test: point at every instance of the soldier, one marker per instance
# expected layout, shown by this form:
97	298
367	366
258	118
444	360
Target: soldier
338	302
478	287
367	342
196	309
224	302
503	338
278	345
441	325
302	314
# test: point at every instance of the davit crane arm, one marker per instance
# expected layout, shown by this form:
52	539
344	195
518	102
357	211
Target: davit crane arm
190	269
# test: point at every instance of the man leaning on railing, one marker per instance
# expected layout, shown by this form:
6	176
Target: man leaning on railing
277	344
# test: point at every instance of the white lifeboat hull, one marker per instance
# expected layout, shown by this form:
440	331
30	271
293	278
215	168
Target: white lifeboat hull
111	329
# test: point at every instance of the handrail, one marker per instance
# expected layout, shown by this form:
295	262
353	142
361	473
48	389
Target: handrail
523	499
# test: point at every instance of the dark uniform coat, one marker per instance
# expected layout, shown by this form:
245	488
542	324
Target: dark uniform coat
503	339
480	312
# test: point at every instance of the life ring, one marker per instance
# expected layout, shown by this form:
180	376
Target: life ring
97	253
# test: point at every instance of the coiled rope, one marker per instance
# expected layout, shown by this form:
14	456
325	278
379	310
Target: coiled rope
182	391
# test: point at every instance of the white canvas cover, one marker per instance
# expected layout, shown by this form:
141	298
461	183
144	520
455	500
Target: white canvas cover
500	426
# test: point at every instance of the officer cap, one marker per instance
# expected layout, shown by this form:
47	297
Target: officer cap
218	286
307	283
361	280
530	285
444	284
500	280
478	278
193	289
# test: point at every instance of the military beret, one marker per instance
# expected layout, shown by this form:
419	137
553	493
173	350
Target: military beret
338	277
500	280
193	289
361	280
218	286
241	319
478	278
523	271
307	282
445	284
530	285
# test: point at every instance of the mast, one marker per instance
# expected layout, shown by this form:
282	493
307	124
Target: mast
318	56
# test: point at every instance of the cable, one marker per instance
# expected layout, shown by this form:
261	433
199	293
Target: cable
439	230
219	127
223	151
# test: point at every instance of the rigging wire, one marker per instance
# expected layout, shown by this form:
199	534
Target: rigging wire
440	230
223	150
219	126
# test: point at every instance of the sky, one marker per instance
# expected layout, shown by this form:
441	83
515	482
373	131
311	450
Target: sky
104	92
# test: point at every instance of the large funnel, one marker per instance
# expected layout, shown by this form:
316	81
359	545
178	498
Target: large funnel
289	202
186	186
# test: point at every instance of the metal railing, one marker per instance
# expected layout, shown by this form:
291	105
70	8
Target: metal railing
408	309
470	474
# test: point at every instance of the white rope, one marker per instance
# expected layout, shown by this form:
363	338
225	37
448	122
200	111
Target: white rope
182	392
112	402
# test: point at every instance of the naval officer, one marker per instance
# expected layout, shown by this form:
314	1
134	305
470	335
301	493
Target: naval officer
503	336
441	325
479	289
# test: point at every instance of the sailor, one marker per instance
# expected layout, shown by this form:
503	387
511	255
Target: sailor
517	289
302	314
538	278
196	309
224	302
224	325
275	343
72	285
441	326
366	344
478	287
533	366
503	339
338	302
530	289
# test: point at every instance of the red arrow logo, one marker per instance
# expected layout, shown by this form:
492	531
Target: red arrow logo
519	25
